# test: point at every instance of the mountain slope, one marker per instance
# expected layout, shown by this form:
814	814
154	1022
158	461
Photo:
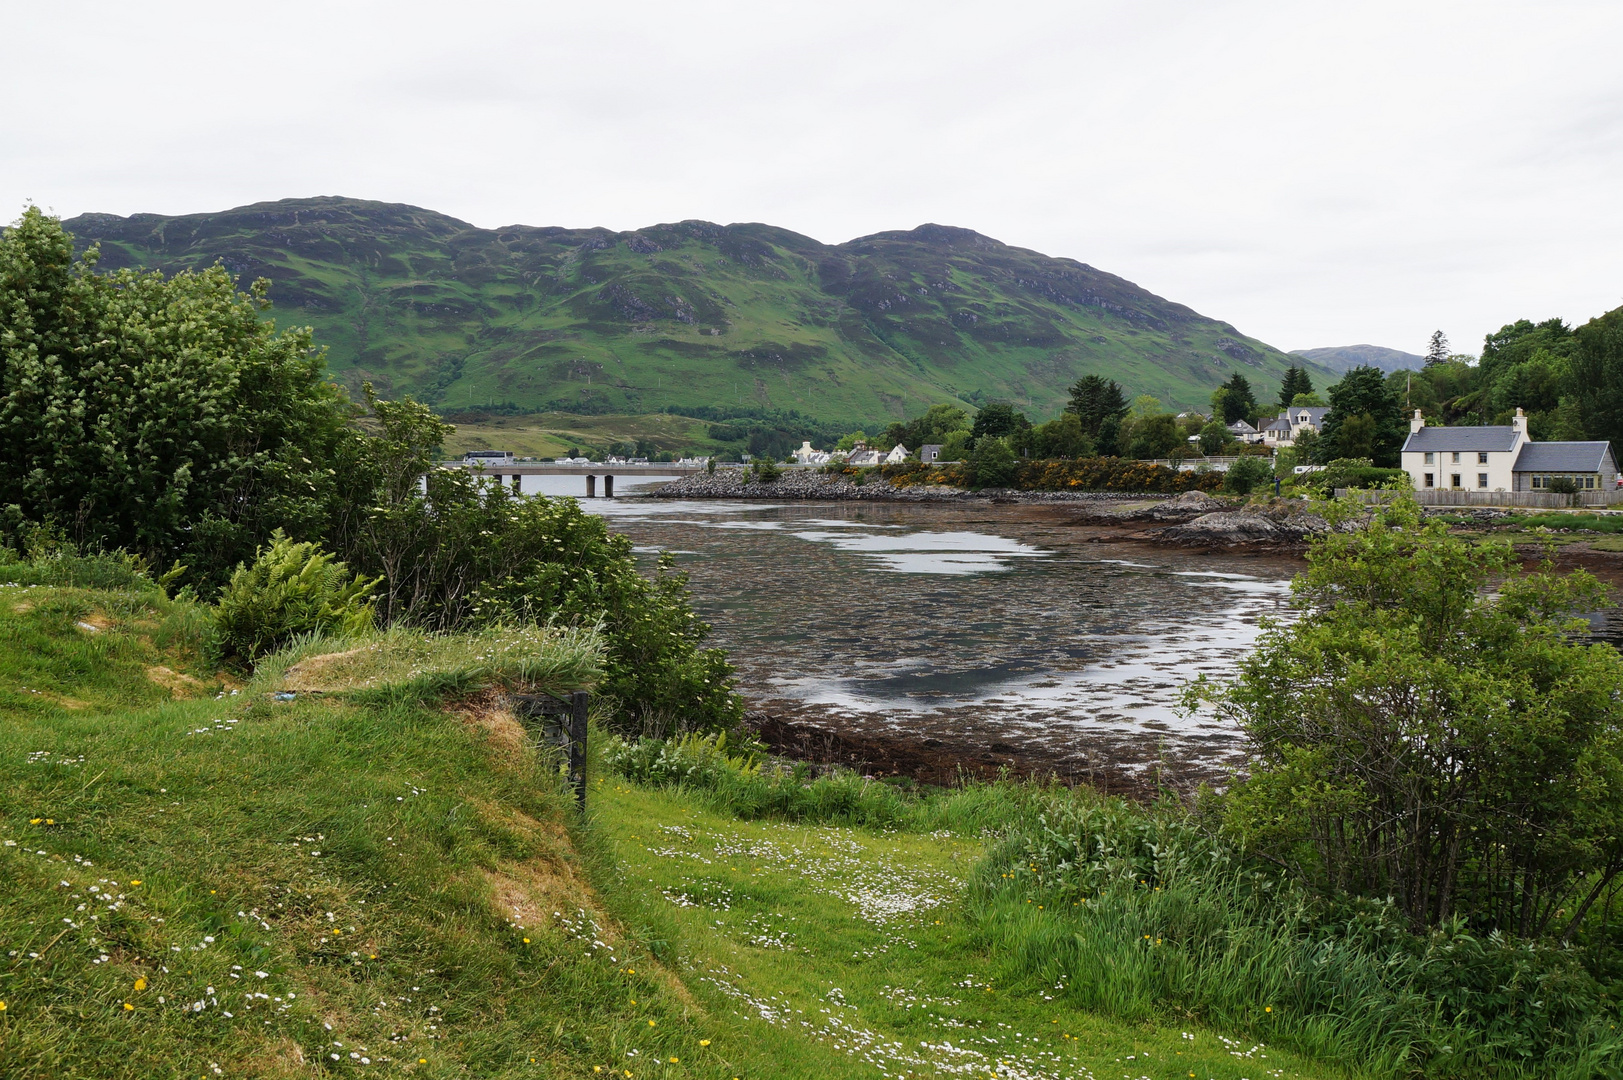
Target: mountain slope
1342	358
692	314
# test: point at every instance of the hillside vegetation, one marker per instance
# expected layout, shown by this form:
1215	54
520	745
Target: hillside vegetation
691	316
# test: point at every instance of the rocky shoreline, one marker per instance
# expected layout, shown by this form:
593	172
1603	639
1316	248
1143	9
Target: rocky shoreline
795	485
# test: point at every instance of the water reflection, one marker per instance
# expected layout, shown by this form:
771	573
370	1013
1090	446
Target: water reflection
995	624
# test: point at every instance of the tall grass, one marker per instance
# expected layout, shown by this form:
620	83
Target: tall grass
737	779
1141	912
410	664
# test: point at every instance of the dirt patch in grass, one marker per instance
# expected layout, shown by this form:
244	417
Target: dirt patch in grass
94	622
492	714
177	683
317	674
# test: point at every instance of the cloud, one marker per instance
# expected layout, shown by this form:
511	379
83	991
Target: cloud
1315	174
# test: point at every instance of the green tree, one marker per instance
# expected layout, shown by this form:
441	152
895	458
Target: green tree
1296	383
1155	436
999	419
1437	349
1213	437
1365	419
934	426
1247	474
1597	363
992	463
1062	437
1237	401
1415	737
1095	399
159	415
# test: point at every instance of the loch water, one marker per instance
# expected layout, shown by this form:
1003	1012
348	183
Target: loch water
1008	627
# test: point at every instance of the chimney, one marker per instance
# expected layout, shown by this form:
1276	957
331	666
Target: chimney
1519	423
1417	423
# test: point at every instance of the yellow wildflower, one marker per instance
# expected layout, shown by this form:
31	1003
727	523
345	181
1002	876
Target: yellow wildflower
141	984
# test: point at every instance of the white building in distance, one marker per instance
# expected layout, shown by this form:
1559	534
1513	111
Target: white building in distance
1501	458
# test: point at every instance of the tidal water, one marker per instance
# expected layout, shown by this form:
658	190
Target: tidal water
1009	627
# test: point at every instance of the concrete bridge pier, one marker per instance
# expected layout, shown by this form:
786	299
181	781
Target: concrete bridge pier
591	486
517	489
608	487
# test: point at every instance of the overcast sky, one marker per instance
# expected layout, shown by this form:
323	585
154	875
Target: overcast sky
1315	173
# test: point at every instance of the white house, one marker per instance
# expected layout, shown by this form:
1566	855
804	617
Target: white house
807	456
897	455
1500	458
1283	430
863	457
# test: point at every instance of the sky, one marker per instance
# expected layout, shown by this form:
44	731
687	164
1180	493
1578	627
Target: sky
1316	174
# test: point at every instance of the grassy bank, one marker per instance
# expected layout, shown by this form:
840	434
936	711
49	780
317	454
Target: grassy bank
202	879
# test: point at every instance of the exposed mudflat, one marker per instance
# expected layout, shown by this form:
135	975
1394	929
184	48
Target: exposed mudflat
926	638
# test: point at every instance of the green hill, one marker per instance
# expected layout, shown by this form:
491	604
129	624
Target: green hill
692	316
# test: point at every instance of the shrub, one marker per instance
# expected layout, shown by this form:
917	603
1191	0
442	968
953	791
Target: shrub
767	470
1111	474
290	589
991	463
1246	474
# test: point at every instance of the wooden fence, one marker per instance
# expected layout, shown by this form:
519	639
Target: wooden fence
1541	500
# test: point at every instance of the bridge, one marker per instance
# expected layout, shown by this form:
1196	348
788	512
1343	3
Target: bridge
500	470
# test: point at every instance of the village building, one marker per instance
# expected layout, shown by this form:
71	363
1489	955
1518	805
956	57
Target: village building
897	455
1501	458
1243	431
808	456
930	453
1283	430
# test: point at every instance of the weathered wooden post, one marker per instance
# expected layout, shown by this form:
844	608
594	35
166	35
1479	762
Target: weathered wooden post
591	486
563	724
577	746
608	487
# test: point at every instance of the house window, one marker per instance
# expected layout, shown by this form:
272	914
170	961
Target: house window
1481	479
1430	458
1481	459
1589	481
1454	480
1431	481
1455	460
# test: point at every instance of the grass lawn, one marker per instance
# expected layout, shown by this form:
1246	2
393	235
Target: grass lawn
822	938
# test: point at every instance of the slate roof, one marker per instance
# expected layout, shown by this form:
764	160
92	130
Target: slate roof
1461	438
1315	413
1279	424
1558	457
1240	427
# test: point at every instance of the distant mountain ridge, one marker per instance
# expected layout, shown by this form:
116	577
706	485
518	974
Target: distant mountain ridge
692	315
1342	358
